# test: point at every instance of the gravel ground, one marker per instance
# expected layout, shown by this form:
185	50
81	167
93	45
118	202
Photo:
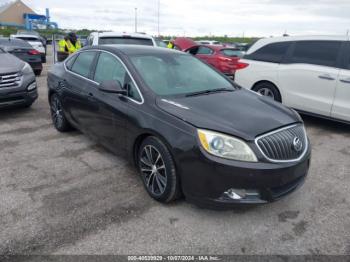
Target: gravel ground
63	194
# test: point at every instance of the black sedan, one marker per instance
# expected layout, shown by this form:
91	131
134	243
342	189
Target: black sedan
23	51
187	128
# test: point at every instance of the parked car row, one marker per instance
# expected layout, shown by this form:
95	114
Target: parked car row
189	129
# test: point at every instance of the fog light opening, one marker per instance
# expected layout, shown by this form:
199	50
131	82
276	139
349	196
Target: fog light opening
239	194
236	194
32	86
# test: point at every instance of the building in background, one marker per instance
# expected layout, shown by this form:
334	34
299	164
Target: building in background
18	14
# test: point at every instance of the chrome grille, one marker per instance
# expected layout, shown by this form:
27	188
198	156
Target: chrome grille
10	80
286	144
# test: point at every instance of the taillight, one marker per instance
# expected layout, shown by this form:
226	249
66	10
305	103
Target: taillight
33	52
241	65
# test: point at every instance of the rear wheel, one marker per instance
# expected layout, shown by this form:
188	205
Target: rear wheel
157	169
59	120
269	90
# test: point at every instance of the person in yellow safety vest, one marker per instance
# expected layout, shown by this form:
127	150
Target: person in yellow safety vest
170	45
69	44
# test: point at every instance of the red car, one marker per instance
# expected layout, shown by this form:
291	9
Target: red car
225	59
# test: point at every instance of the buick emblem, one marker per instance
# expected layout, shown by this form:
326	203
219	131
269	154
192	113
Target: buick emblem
297	144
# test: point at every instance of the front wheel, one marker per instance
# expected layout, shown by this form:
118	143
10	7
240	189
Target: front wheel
157	169
58	118
269	90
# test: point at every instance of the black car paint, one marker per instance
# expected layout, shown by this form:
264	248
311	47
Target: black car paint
35	61
120	124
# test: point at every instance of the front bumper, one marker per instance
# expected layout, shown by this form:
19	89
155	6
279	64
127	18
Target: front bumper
206	179
18	97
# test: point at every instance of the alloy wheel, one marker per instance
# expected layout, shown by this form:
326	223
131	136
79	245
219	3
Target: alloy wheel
153	170
56	112
266	92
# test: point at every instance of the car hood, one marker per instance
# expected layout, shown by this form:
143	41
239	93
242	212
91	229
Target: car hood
240	113
10	63
184	43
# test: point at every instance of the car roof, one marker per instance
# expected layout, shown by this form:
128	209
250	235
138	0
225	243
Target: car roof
134	49
265	41
119	34
29	36
13	42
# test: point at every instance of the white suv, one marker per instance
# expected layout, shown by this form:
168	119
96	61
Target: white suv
112	38
310	74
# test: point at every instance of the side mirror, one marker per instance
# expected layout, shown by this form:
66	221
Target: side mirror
112	87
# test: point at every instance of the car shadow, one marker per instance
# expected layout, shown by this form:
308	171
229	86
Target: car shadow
327	125
13	112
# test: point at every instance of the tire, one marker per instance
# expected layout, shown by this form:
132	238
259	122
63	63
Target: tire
37	72
269	90
58	118
157	170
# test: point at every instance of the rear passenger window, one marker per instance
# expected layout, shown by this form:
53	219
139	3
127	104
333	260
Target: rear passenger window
323	53
273	53
82	64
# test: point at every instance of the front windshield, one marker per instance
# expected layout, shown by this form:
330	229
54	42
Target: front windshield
178	74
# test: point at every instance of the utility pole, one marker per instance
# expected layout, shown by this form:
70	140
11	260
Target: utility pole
158	17
135	20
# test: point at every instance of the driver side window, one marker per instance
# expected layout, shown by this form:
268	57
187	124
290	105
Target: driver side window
110	68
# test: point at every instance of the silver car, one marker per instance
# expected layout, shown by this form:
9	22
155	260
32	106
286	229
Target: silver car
17	82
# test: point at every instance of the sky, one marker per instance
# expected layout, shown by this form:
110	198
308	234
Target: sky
202	17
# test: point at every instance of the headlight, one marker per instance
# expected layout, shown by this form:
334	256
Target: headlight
226	146
32	86
26	70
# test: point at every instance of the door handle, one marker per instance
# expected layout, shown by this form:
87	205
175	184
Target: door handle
326	77
347	80
90	97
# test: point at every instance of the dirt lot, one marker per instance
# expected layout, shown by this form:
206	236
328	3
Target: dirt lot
63	194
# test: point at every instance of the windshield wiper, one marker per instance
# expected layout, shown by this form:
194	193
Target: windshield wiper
211	91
